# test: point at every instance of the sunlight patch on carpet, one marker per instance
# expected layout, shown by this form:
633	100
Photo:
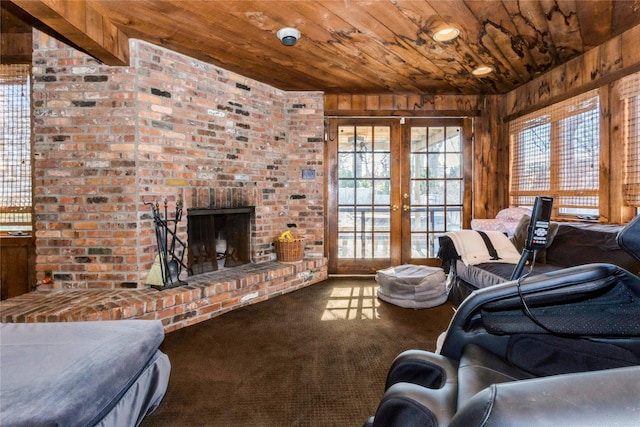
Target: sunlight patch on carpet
352	303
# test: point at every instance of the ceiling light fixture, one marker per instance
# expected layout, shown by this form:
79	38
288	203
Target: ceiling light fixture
446	34
288	36
482	70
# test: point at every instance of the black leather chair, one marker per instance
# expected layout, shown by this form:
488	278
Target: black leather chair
562	348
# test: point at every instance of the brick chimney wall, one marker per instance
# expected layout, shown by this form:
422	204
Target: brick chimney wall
168	127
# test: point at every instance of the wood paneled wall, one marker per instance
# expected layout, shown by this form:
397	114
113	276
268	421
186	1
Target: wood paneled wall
600	68
490	160
17	261
401	105
16	42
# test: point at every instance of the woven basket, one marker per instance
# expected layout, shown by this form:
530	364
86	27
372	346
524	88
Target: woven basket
290	251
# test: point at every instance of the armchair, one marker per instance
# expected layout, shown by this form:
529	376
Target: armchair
561	348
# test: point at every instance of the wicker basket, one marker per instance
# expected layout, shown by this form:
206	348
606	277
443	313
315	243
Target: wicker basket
290	251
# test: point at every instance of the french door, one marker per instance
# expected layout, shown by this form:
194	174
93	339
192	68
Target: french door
393	188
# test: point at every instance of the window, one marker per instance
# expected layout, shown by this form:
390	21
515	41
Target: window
630	96
556	152
15	162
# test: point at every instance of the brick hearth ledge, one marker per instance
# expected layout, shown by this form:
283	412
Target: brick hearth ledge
203	297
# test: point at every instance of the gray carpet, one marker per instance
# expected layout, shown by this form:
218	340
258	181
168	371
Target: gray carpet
314	357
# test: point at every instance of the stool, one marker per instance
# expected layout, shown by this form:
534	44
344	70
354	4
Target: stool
412	286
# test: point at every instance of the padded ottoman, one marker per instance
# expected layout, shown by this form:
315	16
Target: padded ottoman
412	286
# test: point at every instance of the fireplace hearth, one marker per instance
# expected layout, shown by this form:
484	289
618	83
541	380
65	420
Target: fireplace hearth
218	238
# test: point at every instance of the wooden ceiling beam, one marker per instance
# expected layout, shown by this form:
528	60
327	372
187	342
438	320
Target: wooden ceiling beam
82	25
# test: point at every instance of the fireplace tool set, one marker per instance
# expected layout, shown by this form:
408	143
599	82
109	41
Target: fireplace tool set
171	249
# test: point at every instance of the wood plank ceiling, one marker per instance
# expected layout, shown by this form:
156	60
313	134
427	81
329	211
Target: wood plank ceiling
350	46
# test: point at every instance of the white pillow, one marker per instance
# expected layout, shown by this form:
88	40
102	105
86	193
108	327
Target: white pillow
473	250
513	214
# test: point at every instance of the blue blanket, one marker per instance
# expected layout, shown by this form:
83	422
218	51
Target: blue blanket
78	373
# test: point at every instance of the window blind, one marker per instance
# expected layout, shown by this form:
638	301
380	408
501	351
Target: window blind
630	98
15	147
555	151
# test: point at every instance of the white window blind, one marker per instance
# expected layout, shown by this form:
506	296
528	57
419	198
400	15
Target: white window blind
15	147
555	152
630	97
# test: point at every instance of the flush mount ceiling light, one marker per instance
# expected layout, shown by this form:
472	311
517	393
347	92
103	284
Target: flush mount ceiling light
446	34
288	36
482	70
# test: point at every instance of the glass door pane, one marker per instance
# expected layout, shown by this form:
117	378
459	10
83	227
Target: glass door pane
434	200
364	191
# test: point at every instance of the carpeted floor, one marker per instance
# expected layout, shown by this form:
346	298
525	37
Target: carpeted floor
315	357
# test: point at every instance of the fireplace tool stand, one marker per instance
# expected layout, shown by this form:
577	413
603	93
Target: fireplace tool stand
170	248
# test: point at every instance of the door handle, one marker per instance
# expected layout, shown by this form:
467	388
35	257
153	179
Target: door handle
394	208
406	208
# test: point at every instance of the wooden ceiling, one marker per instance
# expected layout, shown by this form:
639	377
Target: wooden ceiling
350	46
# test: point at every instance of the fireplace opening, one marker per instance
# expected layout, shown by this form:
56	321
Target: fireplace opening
218	238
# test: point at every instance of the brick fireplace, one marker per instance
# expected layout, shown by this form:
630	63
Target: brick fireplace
219	238
107	140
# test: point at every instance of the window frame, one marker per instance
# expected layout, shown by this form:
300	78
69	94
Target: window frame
553	182
16	192
630	100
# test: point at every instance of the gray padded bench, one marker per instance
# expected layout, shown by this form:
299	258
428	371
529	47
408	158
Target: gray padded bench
412	286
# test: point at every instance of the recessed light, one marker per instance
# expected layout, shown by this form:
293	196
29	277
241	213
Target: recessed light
446	34
482	70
